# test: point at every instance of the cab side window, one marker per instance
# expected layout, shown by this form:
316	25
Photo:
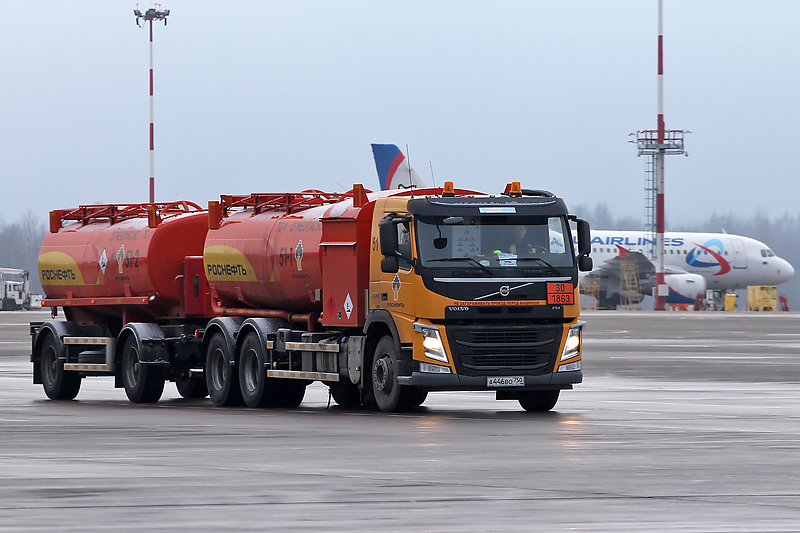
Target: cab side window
404	245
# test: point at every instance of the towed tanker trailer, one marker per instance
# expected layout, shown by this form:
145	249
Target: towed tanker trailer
381	296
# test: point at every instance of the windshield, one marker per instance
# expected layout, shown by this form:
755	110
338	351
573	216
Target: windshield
494	242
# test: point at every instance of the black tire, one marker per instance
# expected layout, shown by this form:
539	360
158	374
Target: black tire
291	392
222	379
345	394
59	384
257	389
143	383
191	386
389	394
538	401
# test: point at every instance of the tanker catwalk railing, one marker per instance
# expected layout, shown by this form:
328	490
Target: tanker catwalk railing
287	202
114	213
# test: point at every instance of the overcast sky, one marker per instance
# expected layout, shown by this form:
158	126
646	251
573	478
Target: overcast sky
284	96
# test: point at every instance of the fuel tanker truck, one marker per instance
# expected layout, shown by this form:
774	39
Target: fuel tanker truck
381	296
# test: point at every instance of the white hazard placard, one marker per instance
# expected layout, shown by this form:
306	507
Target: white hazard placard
348	305
103	262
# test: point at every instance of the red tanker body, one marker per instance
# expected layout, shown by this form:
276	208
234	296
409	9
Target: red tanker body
98	254
266	260
282	252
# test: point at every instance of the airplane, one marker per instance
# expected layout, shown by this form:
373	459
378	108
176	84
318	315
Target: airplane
693	262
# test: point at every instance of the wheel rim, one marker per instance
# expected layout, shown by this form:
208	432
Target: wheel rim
133	367
251	373
217	369
50	365
383	375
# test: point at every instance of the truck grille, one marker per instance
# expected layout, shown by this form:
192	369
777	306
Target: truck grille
526	347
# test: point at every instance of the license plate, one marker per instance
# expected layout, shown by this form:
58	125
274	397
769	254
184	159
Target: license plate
506	381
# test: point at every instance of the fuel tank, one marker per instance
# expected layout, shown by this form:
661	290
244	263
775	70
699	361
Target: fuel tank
267	260
88	255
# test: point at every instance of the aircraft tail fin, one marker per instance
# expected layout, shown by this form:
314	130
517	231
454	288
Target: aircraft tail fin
393	169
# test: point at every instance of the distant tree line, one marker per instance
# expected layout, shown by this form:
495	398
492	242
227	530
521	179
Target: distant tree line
19	246
780	234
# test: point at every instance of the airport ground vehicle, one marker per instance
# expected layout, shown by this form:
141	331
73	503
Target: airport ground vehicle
14	289
382	296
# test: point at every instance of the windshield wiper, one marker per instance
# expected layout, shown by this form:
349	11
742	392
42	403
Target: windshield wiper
545	263
471	259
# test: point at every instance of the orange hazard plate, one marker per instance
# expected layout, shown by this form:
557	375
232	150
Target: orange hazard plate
560	293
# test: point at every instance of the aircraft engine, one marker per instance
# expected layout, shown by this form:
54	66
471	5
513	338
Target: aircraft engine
685	288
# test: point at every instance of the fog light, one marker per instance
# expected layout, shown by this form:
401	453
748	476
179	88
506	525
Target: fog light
434	369
570	367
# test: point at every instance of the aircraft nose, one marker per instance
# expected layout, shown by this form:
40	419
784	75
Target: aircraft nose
785	271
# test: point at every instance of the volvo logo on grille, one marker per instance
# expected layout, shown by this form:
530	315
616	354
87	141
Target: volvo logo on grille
504	290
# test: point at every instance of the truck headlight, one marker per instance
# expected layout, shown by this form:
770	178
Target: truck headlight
432	342
572	347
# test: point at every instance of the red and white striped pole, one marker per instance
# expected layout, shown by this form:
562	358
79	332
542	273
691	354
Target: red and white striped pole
152	131
154	13
662	290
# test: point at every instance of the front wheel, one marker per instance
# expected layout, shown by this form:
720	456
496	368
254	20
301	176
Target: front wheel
538	401
143	383
389	394
59	384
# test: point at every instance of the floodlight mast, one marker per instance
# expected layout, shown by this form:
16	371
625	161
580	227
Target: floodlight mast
154	13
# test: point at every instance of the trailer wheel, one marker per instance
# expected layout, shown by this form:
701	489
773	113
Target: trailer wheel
538	401
59	384
257	389
345	394
389	394
222	379
143	383
191	386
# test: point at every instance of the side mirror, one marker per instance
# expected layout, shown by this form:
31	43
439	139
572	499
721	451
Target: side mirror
584	237
391	265
585	263
387	229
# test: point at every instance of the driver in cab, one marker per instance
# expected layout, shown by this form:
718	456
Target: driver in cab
520	245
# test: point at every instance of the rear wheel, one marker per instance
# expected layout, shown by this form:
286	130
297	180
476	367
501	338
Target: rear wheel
191	386
143	383
59	384
389	394
257	389
538	401
222	379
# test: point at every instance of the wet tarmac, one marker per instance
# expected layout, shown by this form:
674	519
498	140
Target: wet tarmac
685	422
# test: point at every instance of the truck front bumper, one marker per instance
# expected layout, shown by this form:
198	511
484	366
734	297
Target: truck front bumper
557	380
